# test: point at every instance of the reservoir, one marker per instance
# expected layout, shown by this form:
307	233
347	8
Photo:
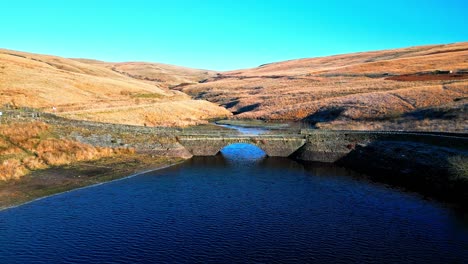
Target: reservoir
236	207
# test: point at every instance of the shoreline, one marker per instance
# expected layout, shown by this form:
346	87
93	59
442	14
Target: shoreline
115	176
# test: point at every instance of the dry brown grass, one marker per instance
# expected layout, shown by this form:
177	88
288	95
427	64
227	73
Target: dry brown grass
177	113
445	118
398	61
163	75
34	163
44	82
11	169
355	85
31	146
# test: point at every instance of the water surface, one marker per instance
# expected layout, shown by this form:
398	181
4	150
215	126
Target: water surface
247	130
239	207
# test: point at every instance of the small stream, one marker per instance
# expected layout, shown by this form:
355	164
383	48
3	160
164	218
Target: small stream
247	130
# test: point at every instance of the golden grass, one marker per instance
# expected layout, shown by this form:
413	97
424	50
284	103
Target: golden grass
412	59
44	82
137	93
446	118
11	169
178	113
355	83
164	75
34	147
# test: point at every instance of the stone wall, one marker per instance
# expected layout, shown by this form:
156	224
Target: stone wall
150	140
331	146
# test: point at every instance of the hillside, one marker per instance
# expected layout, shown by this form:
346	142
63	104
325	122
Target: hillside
163	75
92	90
364	87
412	88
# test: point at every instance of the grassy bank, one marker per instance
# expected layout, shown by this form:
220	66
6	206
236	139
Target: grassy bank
42	183
30	146
41	155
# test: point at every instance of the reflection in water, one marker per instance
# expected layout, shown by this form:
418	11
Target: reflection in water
237	207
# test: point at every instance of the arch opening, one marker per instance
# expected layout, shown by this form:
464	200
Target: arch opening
242	151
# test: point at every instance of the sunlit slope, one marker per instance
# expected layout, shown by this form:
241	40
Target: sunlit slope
90	90
163	75
355	87
397	61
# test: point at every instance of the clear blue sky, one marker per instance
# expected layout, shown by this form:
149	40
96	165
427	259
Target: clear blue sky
224	35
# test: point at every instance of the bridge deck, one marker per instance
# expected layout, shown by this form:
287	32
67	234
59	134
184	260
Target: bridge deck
235	136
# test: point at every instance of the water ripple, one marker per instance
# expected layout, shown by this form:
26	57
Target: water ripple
235	209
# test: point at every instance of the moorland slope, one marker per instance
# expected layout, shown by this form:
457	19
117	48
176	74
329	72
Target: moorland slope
422	87
95	91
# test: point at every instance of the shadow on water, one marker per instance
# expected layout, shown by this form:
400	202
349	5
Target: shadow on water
428	171
231	155
248	155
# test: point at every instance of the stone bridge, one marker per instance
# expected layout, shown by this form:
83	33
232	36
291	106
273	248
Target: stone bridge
273	145
419	160
314	145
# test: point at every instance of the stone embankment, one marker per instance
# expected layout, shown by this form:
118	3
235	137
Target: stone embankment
331	146
435	164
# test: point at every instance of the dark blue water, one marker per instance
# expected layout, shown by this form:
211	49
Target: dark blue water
235	208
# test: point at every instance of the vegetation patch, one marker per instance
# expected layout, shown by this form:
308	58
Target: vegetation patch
459	167
30	146
148	95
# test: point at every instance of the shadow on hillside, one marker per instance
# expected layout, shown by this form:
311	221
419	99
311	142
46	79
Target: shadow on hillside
247	108
231	104
325	115
437	113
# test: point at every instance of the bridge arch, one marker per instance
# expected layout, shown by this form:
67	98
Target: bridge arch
210	145
243	149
